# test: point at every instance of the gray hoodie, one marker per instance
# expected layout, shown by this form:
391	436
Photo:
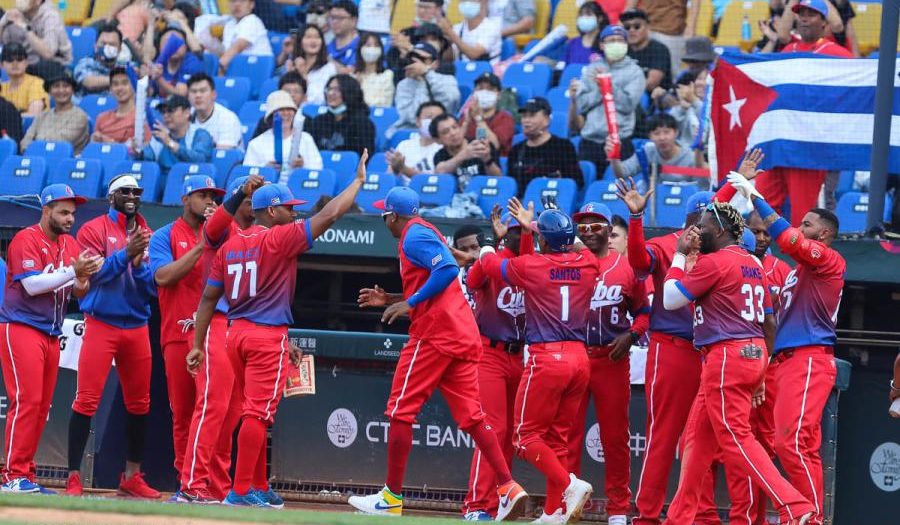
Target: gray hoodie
628	86
412	92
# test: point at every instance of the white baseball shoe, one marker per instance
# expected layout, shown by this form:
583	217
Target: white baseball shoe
382	503
557	518
576	495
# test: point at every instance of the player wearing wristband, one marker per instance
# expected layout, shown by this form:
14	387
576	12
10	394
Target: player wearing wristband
810	299
558	285
500	315
733	326
442	352
46	267
618	297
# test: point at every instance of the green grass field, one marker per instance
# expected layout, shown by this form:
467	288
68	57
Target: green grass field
213	512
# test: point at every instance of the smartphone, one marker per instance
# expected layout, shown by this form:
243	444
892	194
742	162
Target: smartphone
480	133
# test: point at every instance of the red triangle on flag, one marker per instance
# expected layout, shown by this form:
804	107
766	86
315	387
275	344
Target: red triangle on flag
737	101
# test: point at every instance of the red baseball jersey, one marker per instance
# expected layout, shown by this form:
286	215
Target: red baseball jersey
558	290
258	269
499	306
445	321
776	272
617	294
821	46
177	303
730	298
31	253
673	322
216	230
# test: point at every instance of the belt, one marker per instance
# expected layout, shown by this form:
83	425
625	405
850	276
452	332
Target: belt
510	347
784	355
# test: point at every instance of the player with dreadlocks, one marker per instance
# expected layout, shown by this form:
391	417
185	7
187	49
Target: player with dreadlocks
733	327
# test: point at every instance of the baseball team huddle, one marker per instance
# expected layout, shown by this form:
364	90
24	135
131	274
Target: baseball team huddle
739	366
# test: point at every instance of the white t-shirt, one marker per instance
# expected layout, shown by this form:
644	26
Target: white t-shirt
315	83
486	35
251	29
224	127
261	150
374	16
416	156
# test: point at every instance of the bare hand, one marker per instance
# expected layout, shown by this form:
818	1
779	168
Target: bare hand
361	167
253	182
609	145
445	25
628	193
295	354
207	213
750	162
767	30
161	133
300	65
194	359
499	226
621	347
137	244
524	216
416	70
759	396
689	241
657	93
396	160
298	162
462	258
372	297
574	86
86	264
401	42
394	311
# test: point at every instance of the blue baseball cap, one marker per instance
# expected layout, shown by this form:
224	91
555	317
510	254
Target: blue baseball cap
60	192
818	6
748	240
196	183
274	195
400	200
236	184
593	209
613	30
698	201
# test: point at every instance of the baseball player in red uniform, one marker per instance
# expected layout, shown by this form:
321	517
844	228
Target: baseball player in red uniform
175	251
558	286
116	310
45	268
732	315
805	374
610	333
500	315
442	352
256	271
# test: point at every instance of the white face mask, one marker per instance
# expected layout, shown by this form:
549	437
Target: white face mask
370	54
425	128
586	24
109	52
486	98
615	51
469	10
23	5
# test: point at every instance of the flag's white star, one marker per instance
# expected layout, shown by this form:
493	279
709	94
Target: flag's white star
734	109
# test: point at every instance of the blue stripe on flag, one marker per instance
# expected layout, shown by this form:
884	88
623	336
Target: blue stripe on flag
828	99
737	59
828	156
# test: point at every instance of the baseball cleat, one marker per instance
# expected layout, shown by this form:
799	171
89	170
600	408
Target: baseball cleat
248	500
512	501
136	487
478	515
200	497
557	518
382	503
576	495
44	490
270	498
73	485
20	486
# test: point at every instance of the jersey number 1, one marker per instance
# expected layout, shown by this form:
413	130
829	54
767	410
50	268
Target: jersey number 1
564	292
237	270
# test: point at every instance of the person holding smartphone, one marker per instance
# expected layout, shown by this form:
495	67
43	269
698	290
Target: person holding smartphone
463	158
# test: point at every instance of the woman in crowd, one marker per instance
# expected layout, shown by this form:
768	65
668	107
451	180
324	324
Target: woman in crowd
261	150
376	81
63	123
583	48
346	126
311	60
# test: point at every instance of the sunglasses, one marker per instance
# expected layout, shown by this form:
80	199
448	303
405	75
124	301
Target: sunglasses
137	192
712	207
592	227
385	215
632	27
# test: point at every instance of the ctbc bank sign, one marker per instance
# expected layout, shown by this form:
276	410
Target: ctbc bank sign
342	428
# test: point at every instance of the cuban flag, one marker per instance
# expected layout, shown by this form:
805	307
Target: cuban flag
803	111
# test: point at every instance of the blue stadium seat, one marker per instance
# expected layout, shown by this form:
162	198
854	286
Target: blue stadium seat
508	48
342	163
243	171
400	135
588	172
268	86
434	189
256	68
375	188
52	151
561	190
467	72
93	105
378	163
558	97
559	124
605	191
177	175
22	175
851	210
571	71
670	201
310	185
232	91
109	155
382	118
249	115
845	183
504	165
224	160
276	39
313	110
533	79
492	190
211	64
464	93
82	39
7	147
84	176
146	173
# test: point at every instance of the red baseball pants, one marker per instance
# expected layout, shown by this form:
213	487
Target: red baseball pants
499	373
804	379
30	361
722	419
182	392
610	384
672	380
214	387
130	347
552	388
801	185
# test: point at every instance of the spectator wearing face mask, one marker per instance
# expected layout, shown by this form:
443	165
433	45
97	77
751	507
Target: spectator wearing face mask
482	113
423	83
346	125
261	150
92	73
583	48
541	154
478	36
377	82
416	154
171	68
628	86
